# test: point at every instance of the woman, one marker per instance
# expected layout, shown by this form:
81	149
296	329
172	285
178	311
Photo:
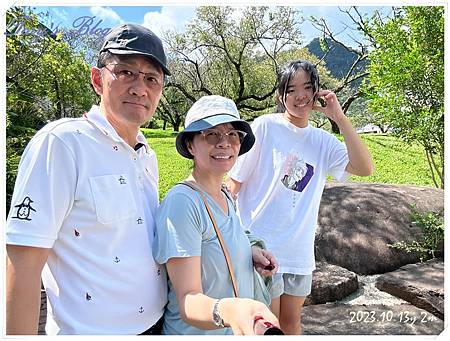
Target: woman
281	205
200	289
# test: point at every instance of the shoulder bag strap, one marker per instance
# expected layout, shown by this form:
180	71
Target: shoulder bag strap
219	236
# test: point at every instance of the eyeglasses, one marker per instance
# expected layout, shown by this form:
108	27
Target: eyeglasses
213	136
127	74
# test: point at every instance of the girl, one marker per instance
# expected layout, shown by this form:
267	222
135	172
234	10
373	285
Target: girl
281	180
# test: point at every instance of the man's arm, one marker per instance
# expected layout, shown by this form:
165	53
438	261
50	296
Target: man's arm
24	265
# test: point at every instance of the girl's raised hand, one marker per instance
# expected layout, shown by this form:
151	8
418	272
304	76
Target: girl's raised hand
332	108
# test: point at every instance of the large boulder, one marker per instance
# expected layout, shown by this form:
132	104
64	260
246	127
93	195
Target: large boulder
421	284
331	283
357	221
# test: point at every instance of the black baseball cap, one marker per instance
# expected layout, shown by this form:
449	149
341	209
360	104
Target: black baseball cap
128	39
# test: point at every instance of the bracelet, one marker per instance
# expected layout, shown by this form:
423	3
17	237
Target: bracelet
218	321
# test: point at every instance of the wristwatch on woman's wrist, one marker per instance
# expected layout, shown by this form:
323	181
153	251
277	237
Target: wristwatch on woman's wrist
218	321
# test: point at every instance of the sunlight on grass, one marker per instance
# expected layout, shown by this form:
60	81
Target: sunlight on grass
171	165
396	162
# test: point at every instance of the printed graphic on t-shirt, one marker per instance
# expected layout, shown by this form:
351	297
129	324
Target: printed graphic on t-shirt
24	209
297	173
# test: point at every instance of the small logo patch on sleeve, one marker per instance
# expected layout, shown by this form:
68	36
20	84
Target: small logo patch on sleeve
24	209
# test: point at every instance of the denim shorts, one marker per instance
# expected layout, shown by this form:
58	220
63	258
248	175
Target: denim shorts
291	284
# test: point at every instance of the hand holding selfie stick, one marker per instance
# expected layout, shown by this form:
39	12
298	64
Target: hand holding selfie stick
263	327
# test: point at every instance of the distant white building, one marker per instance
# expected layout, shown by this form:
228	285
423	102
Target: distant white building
371	128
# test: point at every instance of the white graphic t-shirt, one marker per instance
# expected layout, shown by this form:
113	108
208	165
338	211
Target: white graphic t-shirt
283	177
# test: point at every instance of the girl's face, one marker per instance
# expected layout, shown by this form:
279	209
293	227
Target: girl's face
298	98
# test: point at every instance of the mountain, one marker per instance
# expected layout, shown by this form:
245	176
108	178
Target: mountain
339	60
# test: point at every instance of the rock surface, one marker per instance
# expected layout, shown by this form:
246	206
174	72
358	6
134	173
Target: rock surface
344	319
421	284
357	221
42	313
331	283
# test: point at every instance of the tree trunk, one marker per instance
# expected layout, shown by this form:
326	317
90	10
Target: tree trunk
334	127
59	107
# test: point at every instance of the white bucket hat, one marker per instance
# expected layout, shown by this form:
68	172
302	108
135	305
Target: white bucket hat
208	112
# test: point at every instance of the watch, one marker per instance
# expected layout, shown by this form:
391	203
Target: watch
218	321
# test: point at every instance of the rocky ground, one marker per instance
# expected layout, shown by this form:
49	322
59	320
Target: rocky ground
372	288
371	311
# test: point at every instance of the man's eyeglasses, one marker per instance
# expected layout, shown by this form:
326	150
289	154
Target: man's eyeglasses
127	74
213	136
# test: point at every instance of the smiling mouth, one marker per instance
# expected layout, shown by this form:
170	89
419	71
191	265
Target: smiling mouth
303	104
222	157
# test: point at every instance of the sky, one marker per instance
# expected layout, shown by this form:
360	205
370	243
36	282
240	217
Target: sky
98	18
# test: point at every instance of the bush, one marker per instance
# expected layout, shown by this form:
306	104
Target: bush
17	139
432	225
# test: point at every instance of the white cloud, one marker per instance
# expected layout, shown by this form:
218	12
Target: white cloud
109	16
170	18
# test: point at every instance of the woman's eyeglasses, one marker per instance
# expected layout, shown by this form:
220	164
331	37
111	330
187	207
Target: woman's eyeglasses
213	136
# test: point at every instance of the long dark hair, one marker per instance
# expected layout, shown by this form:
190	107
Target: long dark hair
285	75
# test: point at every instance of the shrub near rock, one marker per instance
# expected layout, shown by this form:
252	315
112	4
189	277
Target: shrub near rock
357	222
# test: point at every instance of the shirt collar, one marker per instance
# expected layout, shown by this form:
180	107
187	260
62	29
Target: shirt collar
95	117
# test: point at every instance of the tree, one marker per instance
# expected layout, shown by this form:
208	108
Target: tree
237	56
406	79
173	107
45	79
348	89
233	57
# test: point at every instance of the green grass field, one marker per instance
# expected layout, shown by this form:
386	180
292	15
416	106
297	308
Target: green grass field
395	162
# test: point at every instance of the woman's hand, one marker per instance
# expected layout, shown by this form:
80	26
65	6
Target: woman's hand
264	261
241	313
332	108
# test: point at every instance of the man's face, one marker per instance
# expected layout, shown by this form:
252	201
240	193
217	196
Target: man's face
129	97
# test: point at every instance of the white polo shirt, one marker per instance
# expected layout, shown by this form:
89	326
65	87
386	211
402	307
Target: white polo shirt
91	198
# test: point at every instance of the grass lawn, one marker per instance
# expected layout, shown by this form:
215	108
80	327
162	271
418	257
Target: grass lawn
395	162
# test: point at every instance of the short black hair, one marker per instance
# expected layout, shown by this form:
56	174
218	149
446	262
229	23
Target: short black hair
188	137
287	72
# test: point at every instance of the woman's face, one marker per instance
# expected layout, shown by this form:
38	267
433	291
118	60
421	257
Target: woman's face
213	151
299	97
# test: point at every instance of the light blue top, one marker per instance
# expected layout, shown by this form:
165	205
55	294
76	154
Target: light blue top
184	229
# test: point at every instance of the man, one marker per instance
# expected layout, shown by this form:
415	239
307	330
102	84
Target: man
83	206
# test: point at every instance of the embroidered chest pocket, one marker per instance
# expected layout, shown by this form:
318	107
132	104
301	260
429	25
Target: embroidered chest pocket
113	198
